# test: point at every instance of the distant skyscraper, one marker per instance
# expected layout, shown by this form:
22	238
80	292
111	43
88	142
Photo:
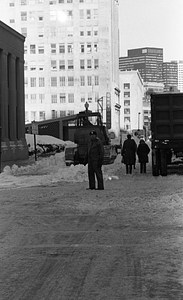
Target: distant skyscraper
71	54
148	61
180	75
170	75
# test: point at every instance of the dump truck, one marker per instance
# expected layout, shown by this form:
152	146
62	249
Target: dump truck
166	130
87	121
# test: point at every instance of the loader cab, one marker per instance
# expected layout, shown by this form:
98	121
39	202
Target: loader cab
89	119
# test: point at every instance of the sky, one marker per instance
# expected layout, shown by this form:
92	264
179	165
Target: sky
152	23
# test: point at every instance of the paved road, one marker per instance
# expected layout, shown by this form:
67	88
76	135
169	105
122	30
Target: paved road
60	242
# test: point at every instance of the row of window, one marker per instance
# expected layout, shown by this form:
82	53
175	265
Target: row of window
55	15
61	65
42	115
70	30
61	113
63	81
51	2
62	98
62	48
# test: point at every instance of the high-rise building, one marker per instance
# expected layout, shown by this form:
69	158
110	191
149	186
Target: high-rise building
71	55
180	75
149	88
148	61
170	75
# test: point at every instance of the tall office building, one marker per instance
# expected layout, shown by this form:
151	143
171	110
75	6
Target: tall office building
71	55
180	75
170	75
148	61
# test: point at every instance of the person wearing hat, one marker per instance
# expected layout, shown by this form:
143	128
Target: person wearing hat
142	152
94	157
128	153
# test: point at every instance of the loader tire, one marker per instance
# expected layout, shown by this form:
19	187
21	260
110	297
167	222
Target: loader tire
155	163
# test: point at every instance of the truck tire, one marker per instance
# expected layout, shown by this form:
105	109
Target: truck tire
76	158
163	163
155	163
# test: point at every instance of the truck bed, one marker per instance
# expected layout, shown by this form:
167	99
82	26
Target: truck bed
167	116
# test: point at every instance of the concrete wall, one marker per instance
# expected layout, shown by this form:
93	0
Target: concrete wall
135	107
12	111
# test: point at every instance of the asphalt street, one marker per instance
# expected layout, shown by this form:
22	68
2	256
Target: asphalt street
61	242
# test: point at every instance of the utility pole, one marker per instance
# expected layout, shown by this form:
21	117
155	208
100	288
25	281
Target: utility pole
34	132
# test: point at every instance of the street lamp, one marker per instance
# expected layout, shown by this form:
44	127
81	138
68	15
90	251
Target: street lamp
138	120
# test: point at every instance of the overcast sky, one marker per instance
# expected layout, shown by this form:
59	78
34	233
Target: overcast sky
152	23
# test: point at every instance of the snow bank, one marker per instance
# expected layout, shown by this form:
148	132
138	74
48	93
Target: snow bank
45	140
49	170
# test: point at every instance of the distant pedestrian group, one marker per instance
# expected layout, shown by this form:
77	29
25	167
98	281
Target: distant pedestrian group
129	151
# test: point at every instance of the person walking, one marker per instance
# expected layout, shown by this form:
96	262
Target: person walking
142	152
94	157
128	153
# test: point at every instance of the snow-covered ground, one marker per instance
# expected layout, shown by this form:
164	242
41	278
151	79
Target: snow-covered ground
50	170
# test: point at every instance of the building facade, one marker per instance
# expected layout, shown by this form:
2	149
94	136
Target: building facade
148	61
170	75
180	75
71	56
12	109
132	91
149	88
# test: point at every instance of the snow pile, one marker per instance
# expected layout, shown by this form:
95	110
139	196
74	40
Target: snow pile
49	170
45	140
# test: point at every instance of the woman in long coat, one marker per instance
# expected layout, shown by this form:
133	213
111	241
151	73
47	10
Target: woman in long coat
142	152
128	153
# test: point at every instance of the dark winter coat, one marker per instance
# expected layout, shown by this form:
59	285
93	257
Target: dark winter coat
142	152
95	151
128	152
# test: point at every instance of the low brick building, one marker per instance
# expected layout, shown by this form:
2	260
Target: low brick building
12	110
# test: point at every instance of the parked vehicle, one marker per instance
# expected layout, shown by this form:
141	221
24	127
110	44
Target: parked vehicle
86	122
166	129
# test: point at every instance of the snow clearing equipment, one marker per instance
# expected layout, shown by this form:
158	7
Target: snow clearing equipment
87	121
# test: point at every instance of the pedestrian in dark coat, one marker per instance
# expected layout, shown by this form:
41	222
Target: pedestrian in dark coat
94	157
142	152
128	153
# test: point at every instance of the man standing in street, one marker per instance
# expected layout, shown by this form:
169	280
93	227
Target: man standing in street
94	157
